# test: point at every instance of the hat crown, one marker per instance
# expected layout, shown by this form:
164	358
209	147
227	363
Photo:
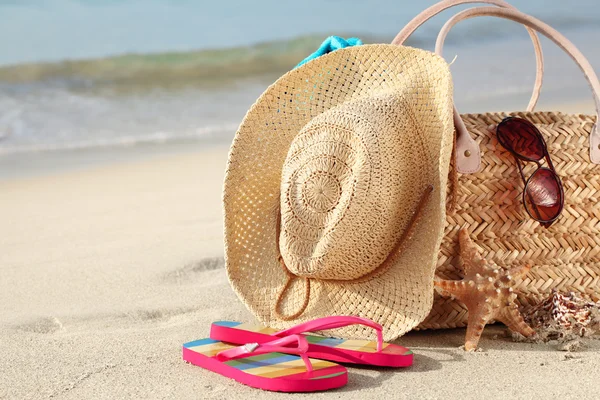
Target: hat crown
347	191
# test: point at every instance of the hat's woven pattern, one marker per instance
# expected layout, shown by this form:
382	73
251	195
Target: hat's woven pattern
346	196
268	139
565	256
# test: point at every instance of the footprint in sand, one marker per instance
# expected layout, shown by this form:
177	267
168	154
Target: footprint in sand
194	270
42	325
159	314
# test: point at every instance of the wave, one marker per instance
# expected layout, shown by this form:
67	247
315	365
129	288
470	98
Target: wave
203	66
204	133
217	66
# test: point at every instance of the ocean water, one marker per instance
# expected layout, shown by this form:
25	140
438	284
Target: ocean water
77	75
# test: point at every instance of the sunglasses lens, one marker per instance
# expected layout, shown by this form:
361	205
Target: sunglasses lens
543	195
522	138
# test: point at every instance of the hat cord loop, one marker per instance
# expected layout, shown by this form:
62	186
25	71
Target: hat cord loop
284	290
383	267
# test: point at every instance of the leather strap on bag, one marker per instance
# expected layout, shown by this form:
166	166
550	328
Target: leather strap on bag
551	34
467	153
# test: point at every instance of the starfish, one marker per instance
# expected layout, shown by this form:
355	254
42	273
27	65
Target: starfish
486	291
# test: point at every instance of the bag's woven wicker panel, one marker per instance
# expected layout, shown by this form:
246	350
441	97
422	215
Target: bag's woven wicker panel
565	256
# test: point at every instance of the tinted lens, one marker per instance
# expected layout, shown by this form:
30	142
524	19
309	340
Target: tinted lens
522	138
543	195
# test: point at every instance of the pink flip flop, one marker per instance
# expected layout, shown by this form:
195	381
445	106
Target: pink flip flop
269	366
325	348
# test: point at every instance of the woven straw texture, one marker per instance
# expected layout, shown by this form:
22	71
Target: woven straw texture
325	171
565	256
346	192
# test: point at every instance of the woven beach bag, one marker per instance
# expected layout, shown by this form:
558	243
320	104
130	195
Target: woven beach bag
487	194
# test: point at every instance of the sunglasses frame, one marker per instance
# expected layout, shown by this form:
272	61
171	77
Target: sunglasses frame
550	167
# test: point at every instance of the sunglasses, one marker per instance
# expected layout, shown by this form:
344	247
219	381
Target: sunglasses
543	195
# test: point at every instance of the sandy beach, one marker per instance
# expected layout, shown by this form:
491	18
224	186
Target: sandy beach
115	124
107	270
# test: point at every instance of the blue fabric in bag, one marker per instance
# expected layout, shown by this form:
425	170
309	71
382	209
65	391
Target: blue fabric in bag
330	44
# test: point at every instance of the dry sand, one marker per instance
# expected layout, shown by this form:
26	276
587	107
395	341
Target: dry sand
106	271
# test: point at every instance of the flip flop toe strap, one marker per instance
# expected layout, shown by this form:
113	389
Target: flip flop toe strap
325	323
274	346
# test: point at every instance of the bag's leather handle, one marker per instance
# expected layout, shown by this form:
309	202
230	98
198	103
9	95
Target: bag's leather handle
551	34
432	11
468	155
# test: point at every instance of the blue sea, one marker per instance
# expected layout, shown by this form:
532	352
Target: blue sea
79	75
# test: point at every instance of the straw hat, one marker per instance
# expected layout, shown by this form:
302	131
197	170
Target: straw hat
334	193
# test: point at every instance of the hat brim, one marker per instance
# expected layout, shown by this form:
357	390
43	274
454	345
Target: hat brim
400	298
